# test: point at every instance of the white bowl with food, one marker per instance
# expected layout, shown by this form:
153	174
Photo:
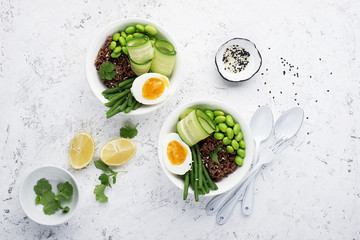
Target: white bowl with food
130	48
238	60
228	151
49	195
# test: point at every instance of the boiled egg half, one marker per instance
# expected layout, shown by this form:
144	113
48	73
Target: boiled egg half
176	154
150	88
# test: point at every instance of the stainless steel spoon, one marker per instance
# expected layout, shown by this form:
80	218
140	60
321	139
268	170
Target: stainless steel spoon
286	127
261	126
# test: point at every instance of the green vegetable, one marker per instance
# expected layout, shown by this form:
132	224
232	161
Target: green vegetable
219	119
241	152
235	145
48	199
206	187
226	141
117	50
140	27
151	30
124	93
242	144
104	178
230	133
116	37
239	161
122	41
138	35
236	129
137	105
125	51
127	81
238	136
217	129
140	68
200	175
107	71
186	185
116	105
128	131
129	37
130	30
218	113
222	127
218	136
164	58
115	55
196	172
229	121
214	154
230	149
210	114
140	50
124	35
112	45
208	179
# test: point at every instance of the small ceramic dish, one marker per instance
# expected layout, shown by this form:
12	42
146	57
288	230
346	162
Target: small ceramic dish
98	41
27	195
251	68
232	179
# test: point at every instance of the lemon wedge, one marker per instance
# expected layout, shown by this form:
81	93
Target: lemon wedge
82	148
118	151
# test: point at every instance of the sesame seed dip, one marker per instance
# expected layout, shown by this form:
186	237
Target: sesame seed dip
235	59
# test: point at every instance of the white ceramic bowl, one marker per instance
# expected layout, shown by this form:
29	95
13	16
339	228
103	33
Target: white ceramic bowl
234	178
27	195
98	41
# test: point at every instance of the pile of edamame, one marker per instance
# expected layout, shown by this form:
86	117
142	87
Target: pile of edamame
230	133
120	39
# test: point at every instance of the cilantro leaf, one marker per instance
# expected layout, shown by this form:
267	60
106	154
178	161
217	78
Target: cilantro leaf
128	131
214	154
66	209
107	71
49	202
65	190
43	186
102	166
99	193
104	178
37	200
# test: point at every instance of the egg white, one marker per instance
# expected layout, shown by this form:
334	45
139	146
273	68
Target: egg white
138	84
176	169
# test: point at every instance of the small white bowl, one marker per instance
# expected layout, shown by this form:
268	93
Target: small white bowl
232	179
98	41
255	60
27	195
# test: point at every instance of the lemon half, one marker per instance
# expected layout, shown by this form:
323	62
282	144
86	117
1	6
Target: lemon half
82	148
118	151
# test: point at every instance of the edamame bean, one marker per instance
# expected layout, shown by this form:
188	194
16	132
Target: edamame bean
236	129
239	161
140	27
129	37
218	136
151	30
130	30
219	113
229	149
226	141
123	34
241	152
242	144
238	136
117	50
229	121
124	49
210	114
122	41
222	127
235	144
217	129
220	119
116	36
230	133
115	55
138	35
112	45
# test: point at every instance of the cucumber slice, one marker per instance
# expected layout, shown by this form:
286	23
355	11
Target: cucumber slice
205	125
190	129
180	128
140	69
140	49
186	112
164	58
202	114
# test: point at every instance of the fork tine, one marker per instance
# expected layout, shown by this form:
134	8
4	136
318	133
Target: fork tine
282	147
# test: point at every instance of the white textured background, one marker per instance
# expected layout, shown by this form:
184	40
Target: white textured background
311	192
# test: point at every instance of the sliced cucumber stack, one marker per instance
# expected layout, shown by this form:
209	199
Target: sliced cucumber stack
194	126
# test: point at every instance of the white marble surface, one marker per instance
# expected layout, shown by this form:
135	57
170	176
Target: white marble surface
311	192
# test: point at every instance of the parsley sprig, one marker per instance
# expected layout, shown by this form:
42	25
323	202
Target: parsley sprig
107	71
214	154
46	197
105	180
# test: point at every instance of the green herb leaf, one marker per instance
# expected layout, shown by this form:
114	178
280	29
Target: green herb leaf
99	193
128	131
37	200
66	209
214	156
43	186
102	166
104	178
49	202
107	71
65	190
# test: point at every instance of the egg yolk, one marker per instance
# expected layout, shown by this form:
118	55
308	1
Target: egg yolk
176	153
153	88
